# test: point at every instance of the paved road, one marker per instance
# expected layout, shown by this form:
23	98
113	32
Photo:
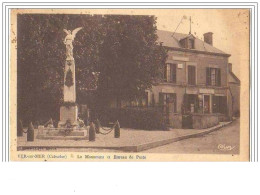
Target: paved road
222	141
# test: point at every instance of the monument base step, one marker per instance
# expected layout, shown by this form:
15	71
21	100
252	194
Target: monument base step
63	134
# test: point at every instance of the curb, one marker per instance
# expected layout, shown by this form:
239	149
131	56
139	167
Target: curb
147	146
137	148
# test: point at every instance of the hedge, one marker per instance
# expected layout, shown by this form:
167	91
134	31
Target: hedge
150	118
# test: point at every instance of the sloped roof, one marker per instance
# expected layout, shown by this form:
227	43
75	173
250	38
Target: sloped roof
168	39
232	78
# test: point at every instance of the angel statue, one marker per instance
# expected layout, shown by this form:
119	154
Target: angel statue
68	41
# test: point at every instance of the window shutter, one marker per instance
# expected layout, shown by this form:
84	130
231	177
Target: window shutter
174	73
175	102
193	75
165	73
190	75
208	76
219	76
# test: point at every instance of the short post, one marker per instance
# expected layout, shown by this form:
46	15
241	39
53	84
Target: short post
30	133
117	130
36	125
20	129
97	125
92	132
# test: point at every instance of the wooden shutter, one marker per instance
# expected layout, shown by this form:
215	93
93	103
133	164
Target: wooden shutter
173	72
193	75
190	75
218	76
165	73
208	77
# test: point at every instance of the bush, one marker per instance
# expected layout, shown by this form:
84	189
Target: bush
136	118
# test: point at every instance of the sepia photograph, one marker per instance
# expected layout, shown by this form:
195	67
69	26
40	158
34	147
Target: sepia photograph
128	84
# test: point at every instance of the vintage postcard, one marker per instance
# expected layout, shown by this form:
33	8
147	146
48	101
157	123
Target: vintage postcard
129	84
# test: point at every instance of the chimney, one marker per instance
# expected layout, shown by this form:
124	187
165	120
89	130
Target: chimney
230	67
208	38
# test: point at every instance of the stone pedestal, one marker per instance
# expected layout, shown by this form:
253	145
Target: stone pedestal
68	113
62	134
69	89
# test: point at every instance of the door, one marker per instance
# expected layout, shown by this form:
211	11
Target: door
206	104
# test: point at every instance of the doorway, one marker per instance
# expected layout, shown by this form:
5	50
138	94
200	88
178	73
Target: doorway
206	104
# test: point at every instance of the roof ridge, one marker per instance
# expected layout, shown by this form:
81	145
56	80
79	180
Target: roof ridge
170	39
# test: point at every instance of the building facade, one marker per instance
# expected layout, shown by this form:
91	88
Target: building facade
195	91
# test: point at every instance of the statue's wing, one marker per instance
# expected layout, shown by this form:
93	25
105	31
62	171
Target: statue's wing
74	32
66	31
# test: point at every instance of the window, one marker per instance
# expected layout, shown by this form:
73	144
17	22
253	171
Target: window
170	73
191	43
219	104
213	76
191	75
190	104
188	43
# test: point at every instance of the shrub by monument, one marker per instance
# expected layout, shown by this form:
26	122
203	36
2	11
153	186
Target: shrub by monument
136	118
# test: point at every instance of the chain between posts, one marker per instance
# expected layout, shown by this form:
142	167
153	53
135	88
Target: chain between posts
109	130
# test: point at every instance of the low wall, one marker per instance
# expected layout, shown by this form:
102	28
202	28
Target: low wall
176	121
203	121
199	121
222	118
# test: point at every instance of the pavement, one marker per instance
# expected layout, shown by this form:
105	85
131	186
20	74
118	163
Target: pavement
224	141
130	140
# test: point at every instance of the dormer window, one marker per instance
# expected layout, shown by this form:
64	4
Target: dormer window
191	43
188	42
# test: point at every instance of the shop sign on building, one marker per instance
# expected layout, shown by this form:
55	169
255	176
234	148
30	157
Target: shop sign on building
168	90
192	91
207	91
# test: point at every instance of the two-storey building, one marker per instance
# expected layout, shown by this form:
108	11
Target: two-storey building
195	91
